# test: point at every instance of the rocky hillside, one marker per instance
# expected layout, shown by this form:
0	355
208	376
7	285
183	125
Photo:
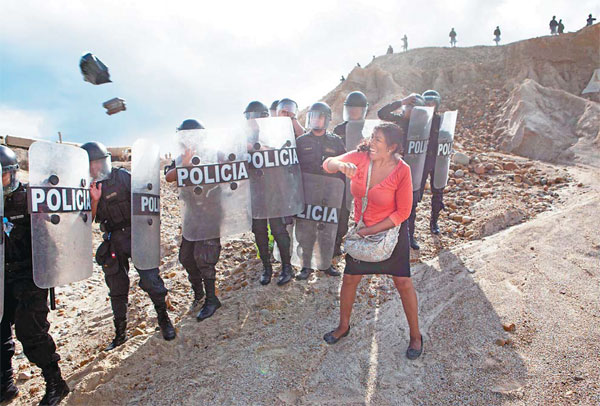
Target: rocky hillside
523	97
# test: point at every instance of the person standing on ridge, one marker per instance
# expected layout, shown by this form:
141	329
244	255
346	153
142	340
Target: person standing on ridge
405	43
497	35
553	26
452	36
590	21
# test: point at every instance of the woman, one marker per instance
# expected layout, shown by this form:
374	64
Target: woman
389	205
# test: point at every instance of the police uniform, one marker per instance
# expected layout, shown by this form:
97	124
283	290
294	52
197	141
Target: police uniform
437	204
114	215
25	305
313	150
199	258
387	113
260	229
280	235
340	131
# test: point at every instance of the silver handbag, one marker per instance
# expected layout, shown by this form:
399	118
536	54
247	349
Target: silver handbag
372	248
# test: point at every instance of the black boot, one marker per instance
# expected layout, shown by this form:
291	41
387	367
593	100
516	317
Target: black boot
286	274
120	334
164	322
212	302
413	243
56	387
198	296
304	274
433	225
331	271
265	278
436	207
8	389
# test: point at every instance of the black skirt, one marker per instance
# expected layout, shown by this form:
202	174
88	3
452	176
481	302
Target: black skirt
396	265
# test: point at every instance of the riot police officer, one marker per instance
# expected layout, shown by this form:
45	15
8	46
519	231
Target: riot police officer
387	113
199	258
313	148
25	305
433	99
355	108
256	109
273	108
289	108
111	207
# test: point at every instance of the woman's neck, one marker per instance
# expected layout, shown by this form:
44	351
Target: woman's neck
382	163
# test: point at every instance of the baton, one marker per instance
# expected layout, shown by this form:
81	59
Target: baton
52	299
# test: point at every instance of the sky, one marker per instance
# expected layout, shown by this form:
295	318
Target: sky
173	60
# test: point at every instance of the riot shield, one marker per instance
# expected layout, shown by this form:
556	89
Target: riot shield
213	182
145	205
356	132
1	251
445	140
417	140
315	228
275	177
61	220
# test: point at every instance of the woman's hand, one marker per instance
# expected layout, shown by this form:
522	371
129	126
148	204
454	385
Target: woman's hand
347	168
365	231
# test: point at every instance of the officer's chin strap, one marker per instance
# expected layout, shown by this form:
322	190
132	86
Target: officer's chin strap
52	299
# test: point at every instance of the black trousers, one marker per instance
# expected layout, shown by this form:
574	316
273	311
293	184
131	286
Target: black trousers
26	307
113	254
437	198
199	259
280	234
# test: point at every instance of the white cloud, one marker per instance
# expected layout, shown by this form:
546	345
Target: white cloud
22	123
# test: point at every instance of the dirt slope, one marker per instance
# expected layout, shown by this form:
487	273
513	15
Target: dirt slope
265	348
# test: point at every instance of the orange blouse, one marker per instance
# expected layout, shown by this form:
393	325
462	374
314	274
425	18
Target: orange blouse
391	198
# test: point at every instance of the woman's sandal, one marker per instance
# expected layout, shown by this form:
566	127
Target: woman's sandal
330	338
413	354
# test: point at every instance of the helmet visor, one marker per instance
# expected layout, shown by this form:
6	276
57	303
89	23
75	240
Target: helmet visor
11	179
287	108
354	113
100	169
255	114
316	120
432	101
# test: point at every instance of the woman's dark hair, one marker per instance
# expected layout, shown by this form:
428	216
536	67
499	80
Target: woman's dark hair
392	133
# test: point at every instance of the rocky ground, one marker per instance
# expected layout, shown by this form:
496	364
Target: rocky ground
508	319
509	315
